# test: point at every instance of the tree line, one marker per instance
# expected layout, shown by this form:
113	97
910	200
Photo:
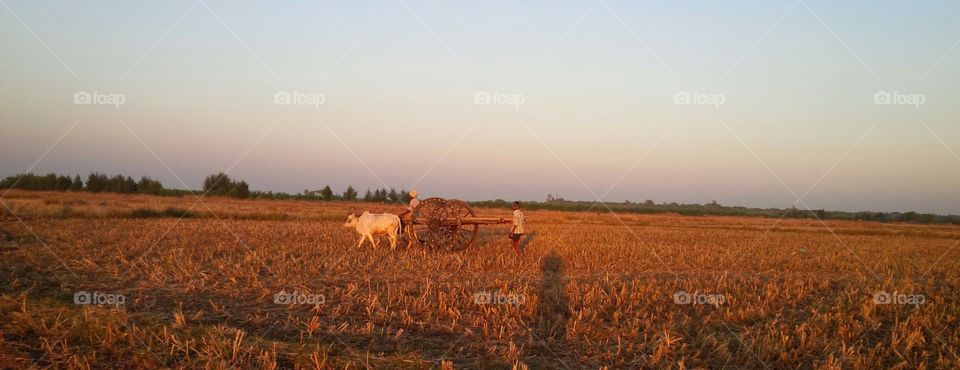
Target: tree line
216	184
717	209
222	185
384	195
96	183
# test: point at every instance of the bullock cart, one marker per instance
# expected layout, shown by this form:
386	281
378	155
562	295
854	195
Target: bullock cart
447	224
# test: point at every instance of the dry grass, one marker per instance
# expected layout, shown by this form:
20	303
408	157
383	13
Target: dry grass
200	290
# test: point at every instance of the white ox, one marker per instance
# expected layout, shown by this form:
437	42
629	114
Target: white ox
370	224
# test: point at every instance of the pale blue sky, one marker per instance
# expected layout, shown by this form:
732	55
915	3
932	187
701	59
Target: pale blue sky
598	81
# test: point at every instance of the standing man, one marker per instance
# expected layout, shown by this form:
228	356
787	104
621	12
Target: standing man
414	202
408	213
517	230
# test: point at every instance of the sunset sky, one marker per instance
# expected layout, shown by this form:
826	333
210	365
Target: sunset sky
596	85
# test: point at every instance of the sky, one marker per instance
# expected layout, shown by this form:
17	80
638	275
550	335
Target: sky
841	105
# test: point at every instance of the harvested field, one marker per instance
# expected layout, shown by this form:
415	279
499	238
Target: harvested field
592	290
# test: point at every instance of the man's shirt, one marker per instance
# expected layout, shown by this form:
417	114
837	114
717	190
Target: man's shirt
518	221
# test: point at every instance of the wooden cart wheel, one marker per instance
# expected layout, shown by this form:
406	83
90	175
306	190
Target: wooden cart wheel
426	220
465	234
436	223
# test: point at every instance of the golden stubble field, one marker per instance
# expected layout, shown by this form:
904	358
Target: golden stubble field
592	290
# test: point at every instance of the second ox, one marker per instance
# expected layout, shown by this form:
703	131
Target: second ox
370	224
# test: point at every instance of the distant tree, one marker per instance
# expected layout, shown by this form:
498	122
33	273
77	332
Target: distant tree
821	214
241	190
350	194
49	182
120	184
326	193
114	184
393	196
29	181
368	196
64	183
217	184
77	184
147	185
221	184
129	186
12	182
96	182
